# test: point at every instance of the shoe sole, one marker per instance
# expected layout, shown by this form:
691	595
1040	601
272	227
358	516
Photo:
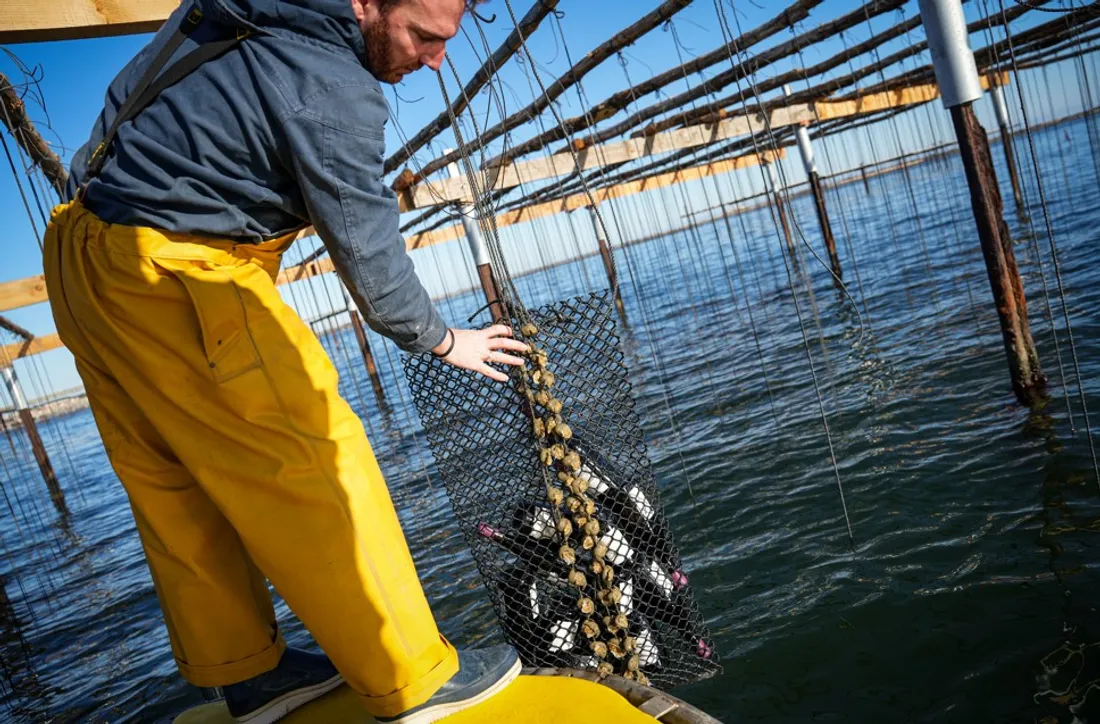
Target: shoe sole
435	713
276	709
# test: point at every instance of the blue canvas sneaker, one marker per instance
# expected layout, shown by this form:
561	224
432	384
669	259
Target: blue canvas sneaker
299	678
481	674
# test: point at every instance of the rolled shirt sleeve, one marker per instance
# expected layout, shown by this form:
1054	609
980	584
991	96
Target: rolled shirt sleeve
336	145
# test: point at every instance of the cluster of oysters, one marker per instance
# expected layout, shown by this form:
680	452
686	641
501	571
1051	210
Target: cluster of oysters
583	550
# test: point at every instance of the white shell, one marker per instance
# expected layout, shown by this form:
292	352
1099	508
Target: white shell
533	595
647	649
542	524
595	483
659	577
564	635
626	602
618	550
641	502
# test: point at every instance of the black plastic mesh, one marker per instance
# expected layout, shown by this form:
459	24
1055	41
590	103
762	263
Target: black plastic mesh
484	445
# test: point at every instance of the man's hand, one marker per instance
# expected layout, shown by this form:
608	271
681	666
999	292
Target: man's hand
474	349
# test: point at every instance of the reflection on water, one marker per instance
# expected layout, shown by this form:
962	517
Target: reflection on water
972	590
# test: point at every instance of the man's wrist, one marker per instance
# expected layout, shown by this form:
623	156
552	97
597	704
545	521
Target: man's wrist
445	347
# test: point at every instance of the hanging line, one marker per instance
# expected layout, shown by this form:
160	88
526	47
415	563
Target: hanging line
727	35
1055	262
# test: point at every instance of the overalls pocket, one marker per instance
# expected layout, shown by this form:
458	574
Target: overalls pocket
216	296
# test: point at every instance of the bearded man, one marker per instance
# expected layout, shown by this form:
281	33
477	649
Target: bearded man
241	123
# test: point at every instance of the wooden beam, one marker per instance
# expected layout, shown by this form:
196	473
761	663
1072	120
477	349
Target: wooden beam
308	270
885	100
22	293
29	21
579	201
22	129
509	174
38	345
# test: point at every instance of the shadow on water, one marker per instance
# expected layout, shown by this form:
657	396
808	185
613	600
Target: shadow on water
1067	679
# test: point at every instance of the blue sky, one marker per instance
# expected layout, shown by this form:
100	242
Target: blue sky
74	76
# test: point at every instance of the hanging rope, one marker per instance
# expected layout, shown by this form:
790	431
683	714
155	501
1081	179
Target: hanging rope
1056	264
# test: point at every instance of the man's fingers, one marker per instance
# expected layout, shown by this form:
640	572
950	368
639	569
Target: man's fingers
491	373
507	359
499	330
511	344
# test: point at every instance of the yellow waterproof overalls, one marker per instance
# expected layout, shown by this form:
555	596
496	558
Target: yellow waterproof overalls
220	413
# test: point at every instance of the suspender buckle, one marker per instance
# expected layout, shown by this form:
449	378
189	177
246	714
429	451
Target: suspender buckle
193	19
97	157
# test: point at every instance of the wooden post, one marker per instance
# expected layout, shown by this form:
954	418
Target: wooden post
777	201
13	115
608	262
1001	110
957	76
26	417
807	150
364	347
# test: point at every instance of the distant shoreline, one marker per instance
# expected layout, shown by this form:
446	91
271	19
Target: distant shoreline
47	410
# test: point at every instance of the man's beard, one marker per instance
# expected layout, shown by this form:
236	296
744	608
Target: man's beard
378	43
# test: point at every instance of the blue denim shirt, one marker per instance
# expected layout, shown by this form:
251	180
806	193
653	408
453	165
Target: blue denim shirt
284	130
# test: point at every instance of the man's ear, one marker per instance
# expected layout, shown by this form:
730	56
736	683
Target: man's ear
364	10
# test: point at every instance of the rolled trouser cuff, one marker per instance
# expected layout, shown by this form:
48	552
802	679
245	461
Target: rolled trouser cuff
416	693
236	671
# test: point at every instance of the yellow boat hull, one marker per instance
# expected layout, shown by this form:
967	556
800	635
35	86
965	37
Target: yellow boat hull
528	700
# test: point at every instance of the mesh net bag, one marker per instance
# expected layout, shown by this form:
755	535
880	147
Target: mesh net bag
550	481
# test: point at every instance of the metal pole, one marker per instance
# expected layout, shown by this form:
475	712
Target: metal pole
999	107
19	400
480	253
608	265
957	77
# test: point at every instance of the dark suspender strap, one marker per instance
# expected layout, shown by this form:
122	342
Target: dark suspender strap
150	85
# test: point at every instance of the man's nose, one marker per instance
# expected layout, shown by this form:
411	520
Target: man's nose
434	60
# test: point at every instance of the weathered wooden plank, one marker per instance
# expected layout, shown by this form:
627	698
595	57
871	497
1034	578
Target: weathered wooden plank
509	175
22	129
313	268
885	100
578	201
22	293
26	21
38	345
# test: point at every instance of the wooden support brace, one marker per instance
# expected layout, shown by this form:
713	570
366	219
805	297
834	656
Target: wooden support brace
581	200
28	21
818	194
368	355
